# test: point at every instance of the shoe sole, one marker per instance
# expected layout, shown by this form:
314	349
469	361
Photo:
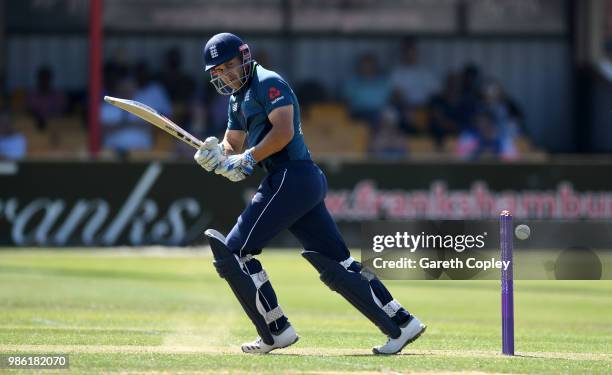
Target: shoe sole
375	351
280	347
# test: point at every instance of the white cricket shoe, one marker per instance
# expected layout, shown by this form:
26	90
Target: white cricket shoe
410	331
286	338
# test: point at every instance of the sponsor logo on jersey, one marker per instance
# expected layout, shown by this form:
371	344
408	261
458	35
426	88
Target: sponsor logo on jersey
277	99
273	93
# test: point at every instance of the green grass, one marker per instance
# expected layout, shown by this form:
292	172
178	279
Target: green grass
117	313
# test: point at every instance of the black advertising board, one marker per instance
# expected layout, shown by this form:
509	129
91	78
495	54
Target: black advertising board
111	203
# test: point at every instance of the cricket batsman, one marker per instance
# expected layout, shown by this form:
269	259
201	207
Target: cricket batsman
264	129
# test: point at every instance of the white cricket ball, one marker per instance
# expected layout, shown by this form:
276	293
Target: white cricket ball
522	232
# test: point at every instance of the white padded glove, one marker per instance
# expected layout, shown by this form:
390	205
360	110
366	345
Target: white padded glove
237	167
210	155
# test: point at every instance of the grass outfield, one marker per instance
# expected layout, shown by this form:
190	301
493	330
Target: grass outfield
115	312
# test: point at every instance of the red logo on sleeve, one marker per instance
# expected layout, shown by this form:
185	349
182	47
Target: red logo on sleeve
273	93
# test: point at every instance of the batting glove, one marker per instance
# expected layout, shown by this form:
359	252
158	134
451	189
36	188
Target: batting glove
210	155
237	167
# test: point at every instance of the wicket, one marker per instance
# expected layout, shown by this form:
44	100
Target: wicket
507	279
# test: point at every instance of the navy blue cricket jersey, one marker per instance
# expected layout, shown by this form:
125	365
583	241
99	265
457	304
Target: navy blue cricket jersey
249	108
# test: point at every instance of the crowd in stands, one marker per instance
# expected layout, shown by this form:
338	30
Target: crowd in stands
472	110
376	112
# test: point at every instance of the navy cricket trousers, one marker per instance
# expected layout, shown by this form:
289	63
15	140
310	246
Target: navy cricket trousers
290	197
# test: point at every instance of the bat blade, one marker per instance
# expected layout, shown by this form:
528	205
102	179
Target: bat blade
151	116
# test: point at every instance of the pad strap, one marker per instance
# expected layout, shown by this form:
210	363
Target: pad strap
260	278
347	262
274	314
391	308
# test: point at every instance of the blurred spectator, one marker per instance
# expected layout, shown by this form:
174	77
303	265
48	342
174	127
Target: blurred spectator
201	123
448	113
178	85
13	145
45	102
471	93
120	133
368	92
406	115
150	92
388	142
415	83
118	65
311	92
471	81
124	132
495	127
115	71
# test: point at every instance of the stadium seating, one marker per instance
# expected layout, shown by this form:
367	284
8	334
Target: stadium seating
329	132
